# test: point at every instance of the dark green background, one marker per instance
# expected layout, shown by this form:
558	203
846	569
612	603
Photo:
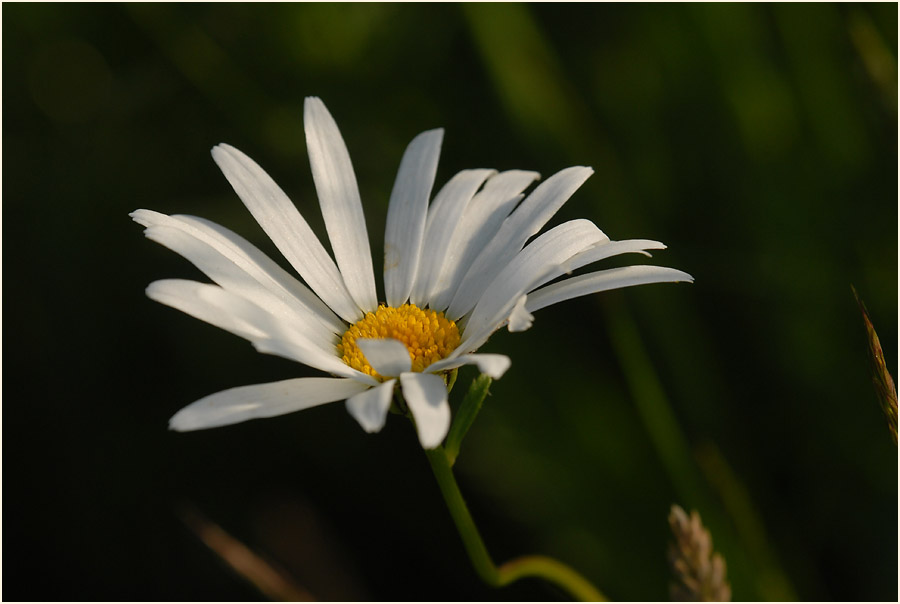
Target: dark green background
758	141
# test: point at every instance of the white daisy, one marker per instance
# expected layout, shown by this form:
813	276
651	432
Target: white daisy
455	271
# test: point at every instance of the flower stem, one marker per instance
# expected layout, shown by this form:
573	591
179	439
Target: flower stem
526	566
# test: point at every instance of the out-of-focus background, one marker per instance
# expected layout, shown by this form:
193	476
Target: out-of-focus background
758	141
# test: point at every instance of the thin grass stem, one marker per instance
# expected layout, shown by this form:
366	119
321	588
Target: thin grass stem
543	567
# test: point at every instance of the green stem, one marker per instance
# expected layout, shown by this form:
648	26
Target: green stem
526	566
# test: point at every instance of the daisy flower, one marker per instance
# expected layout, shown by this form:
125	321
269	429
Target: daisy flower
455	270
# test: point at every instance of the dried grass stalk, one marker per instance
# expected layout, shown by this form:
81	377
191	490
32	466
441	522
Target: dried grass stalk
270	581
881	377
698	571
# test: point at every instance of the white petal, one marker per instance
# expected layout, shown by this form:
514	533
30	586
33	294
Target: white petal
340	202
599	281
407	213
520	319
287	229
294	350
389	357
370	407
541	257
601	251
494	365
241	317
525	221
444	217
426	396
236	245
479	224
540	262
242	269
210	304
262	400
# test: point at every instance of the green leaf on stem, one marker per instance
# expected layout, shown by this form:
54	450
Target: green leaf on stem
451	380
466	415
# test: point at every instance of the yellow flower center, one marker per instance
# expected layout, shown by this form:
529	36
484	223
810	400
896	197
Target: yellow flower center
428	335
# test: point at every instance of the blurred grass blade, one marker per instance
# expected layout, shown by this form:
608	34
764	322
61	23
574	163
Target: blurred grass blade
207	65
524	70
653	406
881	377
699	572
876	57
674	451
466	415
242	560
770	579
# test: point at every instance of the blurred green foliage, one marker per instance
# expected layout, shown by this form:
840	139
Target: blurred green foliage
758	141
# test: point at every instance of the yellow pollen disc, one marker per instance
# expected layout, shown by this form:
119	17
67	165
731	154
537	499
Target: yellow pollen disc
428	335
